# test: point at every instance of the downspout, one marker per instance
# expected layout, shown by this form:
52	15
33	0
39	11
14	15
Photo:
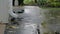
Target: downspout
11	10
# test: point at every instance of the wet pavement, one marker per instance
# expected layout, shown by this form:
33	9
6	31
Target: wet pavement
29	23
31	18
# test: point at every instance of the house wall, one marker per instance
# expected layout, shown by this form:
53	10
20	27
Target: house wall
4	9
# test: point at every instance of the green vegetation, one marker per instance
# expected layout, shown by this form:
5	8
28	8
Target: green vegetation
29	2
49	3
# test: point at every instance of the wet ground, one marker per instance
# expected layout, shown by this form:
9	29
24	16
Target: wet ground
29	23
31	18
